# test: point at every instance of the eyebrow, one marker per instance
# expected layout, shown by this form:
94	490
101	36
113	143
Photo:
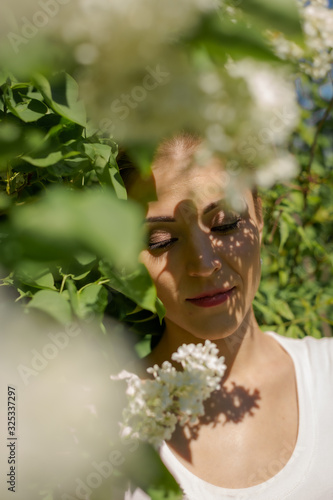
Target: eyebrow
211	207
165	218
162	218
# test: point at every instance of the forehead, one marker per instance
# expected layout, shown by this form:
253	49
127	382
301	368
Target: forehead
198	185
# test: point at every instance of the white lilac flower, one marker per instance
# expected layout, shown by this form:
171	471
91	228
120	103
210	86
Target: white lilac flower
155	406
316	57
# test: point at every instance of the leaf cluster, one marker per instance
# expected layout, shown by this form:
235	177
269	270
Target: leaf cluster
68	251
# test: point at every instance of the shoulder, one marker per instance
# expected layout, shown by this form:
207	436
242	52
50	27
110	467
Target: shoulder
309	350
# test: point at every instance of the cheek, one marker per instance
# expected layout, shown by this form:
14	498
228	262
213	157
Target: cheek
165	272
249	262
242	252
164	278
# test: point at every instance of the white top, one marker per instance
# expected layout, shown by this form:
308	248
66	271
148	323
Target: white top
308	475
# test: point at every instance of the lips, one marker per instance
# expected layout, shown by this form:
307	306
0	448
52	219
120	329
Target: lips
211	298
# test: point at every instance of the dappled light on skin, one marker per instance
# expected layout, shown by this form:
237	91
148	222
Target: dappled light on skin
200	260
224	407
200	245
234	404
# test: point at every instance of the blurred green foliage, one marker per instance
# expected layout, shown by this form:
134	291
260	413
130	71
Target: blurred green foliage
296	292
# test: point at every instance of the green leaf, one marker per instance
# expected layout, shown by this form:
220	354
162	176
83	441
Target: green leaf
162	494
281	15
79	267
106	167
62	97
29	111
142	347
94	221
92	301
304	237
142	155
222	38
281	329
295	332
284	232
117	183
53	304
50	159
312	331
270	316
283	308
137	286
98	150
160	309
35	274
283	277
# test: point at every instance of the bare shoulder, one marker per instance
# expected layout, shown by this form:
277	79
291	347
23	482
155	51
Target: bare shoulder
309	351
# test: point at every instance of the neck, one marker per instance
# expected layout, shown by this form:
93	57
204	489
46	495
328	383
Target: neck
239	349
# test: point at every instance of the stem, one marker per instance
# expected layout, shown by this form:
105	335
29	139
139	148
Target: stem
63	282
9	171
98	283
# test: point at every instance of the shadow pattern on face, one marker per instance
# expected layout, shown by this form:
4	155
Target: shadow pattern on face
206	258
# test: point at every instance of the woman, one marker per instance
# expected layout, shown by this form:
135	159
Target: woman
267	433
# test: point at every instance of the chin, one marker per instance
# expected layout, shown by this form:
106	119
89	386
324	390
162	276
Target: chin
212	333
212	327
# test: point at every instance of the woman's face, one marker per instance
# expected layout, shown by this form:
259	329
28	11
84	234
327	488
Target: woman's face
203	255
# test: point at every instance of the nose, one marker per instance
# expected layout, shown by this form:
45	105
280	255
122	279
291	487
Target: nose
202	258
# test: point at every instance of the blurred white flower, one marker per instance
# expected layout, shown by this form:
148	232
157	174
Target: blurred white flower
316	57
278	169
156	406
140	84
272	90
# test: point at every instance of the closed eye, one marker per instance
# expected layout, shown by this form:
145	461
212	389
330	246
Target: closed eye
161	244
226	228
